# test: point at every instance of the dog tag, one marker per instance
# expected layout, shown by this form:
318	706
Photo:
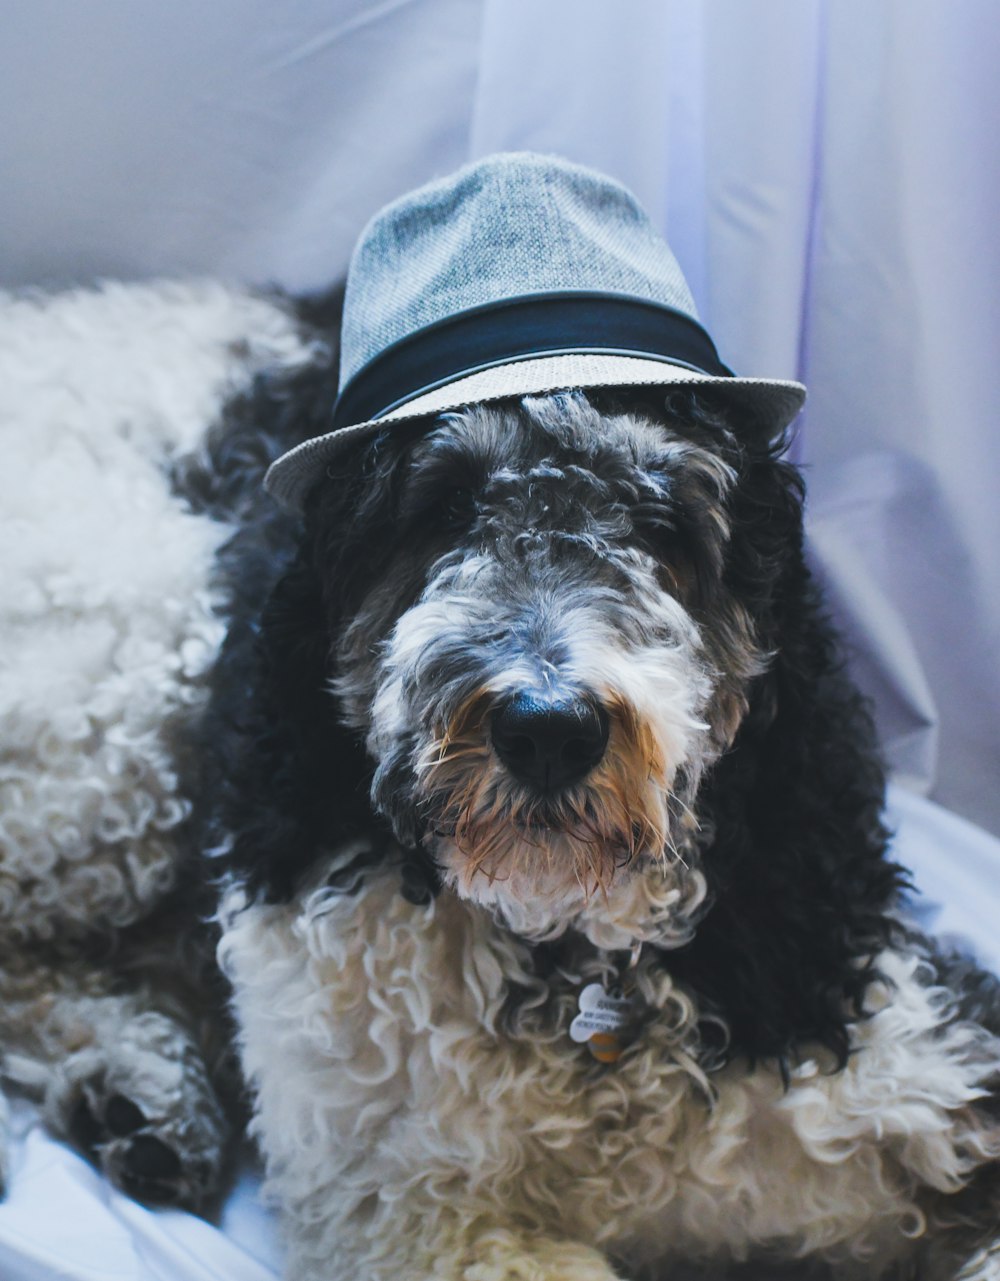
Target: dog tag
601	1022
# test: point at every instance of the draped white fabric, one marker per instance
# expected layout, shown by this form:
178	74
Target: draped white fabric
826	172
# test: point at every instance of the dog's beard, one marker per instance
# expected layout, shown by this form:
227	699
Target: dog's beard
549	857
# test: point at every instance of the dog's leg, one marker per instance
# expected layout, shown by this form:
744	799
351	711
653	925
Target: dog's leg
141	1103
120	1074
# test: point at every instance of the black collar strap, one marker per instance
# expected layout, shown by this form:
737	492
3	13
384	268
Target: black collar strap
517	329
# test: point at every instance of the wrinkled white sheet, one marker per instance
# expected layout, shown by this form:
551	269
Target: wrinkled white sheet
62	1222
956	870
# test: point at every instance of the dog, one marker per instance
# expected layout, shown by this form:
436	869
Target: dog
554	887
112	1015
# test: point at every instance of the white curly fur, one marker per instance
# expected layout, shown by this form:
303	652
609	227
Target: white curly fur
410	1132
108	628
108	622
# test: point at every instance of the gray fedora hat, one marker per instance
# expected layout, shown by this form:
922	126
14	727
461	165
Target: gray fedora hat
517	275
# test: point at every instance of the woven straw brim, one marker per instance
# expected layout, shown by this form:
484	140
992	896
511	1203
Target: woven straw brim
775	402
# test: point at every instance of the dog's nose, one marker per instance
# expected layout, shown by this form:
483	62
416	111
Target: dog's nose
549	742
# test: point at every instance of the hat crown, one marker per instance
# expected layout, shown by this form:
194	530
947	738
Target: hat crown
512	225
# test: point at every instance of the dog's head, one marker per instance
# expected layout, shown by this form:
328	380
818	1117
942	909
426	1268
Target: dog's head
536	624
568	649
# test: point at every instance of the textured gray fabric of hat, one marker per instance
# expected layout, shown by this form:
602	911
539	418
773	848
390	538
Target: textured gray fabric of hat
446	282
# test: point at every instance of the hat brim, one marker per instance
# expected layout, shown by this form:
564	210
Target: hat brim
774	401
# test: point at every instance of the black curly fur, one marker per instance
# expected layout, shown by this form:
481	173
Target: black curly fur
795	847
792	812
277	767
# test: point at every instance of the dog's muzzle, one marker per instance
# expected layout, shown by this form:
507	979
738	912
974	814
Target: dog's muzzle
549	741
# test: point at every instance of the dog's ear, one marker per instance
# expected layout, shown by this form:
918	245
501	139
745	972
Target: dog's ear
796	864
293	782
296	782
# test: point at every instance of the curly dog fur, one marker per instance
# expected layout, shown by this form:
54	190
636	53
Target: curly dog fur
408	927
109	1007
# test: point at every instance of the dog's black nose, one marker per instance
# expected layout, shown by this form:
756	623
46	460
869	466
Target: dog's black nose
549	742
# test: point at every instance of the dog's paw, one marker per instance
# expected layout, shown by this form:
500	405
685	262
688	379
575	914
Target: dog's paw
145	1111
503	1256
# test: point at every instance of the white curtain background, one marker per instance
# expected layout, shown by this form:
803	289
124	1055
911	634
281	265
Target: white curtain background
825	170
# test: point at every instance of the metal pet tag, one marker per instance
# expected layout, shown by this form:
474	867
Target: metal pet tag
602	1019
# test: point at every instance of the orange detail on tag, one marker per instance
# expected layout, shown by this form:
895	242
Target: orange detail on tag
605	1047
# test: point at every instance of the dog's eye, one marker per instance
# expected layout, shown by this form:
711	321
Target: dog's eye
442	508
455	510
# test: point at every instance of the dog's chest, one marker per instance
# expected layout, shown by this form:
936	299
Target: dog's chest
377	1037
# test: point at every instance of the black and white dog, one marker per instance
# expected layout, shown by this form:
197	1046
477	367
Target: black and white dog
556	902
563	939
